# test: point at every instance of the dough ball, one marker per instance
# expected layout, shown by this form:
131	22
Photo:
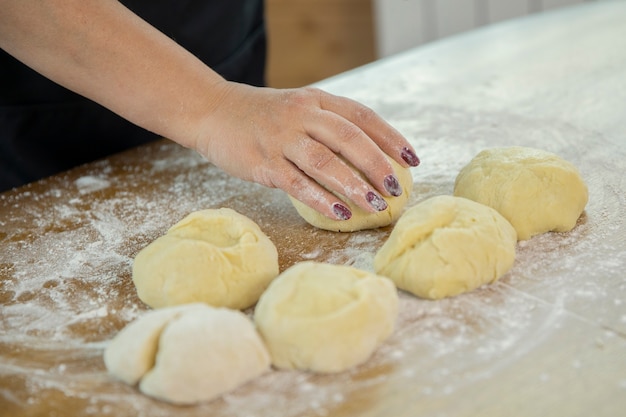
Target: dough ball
325	318
188	354
362	219
132	352
215	256
445	246
535	190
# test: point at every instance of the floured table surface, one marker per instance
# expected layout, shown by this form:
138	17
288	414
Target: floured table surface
548	339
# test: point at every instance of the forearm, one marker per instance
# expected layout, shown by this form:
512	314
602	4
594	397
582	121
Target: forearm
289	139
101	50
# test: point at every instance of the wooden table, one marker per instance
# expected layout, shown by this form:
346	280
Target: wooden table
548	339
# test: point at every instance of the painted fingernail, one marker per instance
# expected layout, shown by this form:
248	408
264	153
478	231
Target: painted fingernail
410	157
376	201
392	185
342	212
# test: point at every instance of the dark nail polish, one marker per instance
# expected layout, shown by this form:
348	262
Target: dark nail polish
410	157
342	212
376	201
392	185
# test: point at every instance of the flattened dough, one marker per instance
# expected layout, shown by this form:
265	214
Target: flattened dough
445	246
535	190
215	256
188	354
325	318
362	219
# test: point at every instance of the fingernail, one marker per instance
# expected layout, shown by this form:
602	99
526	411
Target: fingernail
376	201
342	212
410	157
392	185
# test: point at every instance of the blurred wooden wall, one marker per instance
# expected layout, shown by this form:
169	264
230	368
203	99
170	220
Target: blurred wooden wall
310	40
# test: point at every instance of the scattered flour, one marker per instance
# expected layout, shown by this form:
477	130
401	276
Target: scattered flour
66	286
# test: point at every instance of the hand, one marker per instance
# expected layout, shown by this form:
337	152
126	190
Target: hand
297	140
293	139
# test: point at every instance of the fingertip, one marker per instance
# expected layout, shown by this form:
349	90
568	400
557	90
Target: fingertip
341	212
392	185
376	201
409	156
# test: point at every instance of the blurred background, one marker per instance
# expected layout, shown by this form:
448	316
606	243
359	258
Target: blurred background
310	40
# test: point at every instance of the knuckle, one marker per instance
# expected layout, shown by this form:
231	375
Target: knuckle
289	180
350	132
302	96
364	115
312	91
263	176
294	182
321	160
270	172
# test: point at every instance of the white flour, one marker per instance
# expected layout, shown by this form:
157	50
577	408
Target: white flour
68	289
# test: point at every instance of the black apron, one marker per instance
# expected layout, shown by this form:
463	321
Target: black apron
46	129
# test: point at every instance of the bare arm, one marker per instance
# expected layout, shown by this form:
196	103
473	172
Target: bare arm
280	138
101	50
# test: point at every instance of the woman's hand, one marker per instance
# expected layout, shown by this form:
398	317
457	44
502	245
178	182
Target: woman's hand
299	140
296	140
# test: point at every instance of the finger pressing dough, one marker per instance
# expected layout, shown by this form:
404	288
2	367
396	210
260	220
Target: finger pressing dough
325	318
215	256
188	354
535	190
445	246
362	219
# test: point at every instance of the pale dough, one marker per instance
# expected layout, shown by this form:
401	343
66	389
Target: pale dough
362	219
188	354
535	190
215	256
445	246
325	318
132	352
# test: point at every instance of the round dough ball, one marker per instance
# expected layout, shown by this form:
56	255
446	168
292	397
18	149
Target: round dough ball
194	353
535	190
445	246
325	318
362	219
215	256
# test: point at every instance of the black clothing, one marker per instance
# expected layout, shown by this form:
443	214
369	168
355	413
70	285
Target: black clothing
45	128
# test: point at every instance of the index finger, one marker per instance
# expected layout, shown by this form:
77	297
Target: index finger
389	139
